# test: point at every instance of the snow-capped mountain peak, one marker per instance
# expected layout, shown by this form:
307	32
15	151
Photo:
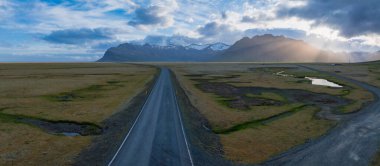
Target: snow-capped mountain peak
197	46
178	41
215	47
218	46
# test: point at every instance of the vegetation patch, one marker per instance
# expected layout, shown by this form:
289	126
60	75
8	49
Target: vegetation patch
267	95
244	97
87	93
61	127
258	122
257	144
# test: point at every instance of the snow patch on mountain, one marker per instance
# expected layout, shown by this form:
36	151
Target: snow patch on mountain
214	47
178	41
219	46
197	46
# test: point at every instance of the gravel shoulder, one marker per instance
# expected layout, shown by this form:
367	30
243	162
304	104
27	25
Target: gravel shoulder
104	147
205	146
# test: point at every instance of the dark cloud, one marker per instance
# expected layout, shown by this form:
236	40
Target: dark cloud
78	36
351	17
292	33
248	19
217	32
213	29
224	15
149	16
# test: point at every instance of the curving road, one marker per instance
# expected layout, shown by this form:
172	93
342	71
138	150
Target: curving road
354	142
157	136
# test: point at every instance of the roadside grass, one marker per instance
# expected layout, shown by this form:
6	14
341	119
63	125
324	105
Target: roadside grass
267	95
78	93
257	144
254	135
264	121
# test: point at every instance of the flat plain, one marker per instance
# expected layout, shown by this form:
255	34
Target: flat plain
262	110
50	112
257	110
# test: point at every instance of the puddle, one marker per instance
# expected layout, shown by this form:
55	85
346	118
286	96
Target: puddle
323	82
64	127
71	134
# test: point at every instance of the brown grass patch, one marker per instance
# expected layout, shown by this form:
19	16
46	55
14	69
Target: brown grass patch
258	143
255	145
24	89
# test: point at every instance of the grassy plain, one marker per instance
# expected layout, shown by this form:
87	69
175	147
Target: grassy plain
254	133
78	92
368	72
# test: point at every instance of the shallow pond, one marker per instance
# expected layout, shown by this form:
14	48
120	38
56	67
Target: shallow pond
323	82
314	81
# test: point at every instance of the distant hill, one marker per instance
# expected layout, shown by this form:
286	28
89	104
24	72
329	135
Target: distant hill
171	53
269	48
375	56
358	56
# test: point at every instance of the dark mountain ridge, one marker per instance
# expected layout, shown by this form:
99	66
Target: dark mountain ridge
172	53
269	48
264	48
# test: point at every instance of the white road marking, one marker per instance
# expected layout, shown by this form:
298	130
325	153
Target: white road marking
183	130
129	132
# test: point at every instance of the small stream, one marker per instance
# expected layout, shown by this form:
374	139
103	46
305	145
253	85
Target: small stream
314	80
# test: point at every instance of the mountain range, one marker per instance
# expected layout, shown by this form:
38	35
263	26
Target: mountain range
264	48
171	53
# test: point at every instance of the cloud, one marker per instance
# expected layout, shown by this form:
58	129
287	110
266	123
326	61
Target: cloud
351	17
248	19
224	15
213	29
78	36
153	15
157	13
6	9
84	26
218	32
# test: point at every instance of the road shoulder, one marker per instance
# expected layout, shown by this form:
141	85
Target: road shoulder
104	147
204	145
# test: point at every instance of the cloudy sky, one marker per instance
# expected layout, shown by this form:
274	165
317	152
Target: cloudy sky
81	30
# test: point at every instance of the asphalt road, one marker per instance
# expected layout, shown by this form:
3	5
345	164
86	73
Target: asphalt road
157	136
354	142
